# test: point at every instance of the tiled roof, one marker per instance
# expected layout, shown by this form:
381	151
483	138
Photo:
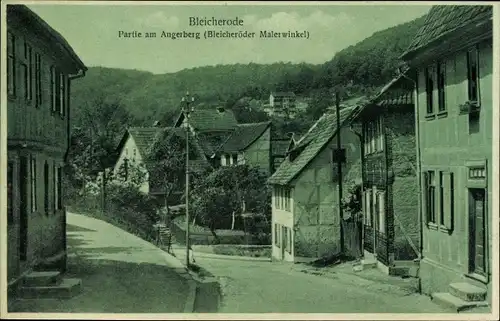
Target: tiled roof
210	119
212	141
243	136
444	19
143	137
314	141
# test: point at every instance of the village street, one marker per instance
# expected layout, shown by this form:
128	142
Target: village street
120	273
257	286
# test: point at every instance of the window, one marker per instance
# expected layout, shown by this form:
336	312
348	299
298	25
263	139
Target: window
38	80
447	201
11	64
10	194
285	237
53	89
429	88
59	188
46	187
223	160
477	172
374	136
235	159
282	198
339	155
430	201
55	184
441	83
62	94
380	135
290	240
28	72
472	75
381	212
125	169
33	184
228	160
368	208
276	235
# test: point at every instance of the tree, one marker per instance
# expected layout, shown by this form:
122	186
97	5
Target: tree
230	191
98	129
166	161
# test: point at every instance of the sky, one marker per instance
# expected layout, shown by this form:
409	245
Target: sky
93	32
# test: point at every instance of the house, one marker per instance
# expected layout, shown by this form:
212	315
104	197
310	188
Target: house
391	230
248	144
227	142
282	104
305	200
452	56
41	67
132	149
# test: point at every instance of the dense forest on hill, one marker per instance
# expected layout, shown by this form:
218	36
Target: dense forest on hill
113	99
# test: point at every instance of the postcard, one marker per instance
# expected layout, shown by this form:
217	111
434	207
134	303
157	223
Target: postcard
244	160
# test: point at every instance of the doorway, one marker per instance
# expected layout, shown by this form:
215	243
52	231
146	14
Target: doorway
23	208
477	231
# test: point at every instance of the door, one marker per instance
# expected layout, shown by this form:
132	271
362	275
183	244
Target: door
477	227
23	208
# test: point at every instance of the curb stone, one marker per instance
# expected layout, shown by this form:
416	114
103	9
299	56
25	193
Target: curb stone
191	281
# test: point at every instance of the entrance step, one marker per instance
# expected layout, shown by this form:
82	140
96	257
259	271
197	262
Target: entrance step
454	303
402	271
42	278
467	292
64	289
369	263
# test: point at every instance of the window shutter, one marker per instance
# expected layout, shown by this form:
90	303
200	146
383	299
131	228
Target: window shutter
448	200
381	204
368	207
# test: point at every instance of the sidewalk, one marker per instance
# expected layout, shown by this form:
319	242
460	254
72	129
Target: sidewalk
120	273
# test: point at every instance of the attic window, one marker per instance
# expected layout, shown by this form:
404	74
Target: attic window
220	109
338	155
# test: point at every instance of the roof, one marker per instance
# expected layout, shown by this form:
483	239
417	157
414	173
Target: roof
210	119
402	98
313	142
243	136
283	94
212	141
27	13
443	20
143	137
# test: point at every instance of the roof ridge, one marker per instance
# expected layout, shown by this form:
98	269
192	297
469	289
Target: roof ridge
258	123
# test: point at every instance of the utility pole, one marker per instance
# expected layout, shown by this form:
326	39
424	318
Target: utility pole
339	168
186	110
